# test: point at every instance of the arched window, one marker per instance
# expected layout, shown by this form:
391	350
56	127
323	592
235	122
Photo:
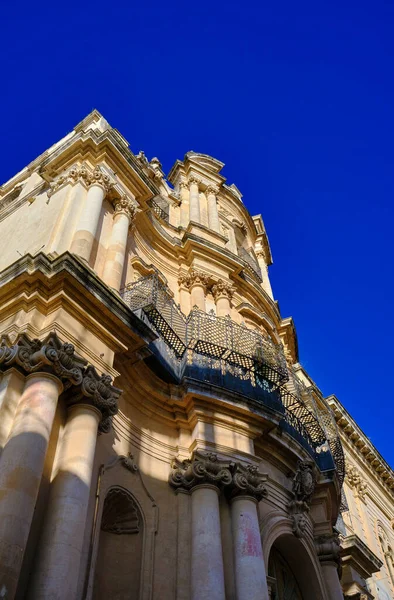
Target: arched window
118	565
285	586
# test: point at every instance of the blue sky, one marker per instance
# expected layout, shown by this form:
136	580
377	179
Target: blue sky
295	97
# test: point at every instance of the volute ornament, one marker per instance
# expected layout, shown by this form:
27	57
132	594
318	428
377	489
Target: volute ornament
193	180
125	206
248	481
222	288
212	190
202	468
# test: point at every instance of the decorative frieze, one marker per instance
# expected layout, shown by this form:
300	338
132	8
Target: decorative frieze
304	483
57	358
235	478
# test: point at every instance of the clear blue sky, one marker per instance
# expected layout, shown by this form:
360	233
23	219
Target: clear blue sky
295	97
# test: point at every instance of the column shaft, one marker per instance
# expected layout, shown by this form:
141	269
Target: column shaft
11	388
116	252
86	231
59	555
331	578
194	202
207	576
213	215
223	306
250	575
197	292
21	467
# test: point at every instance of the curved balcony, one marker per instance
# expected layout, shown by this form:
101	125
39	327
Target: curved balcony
220	352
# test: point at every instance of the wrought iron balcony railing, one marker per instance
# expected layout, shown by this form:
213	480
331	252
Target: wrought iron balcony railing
219	344
205	333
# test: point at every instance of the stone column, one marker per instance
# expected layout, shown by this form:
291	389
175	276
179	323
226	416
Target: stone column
184	293
207	573
198	286
194	199
21	468
185	206
11	388
204	476
84	236
223	292
328	551
249	566
55	574
123	216
213	215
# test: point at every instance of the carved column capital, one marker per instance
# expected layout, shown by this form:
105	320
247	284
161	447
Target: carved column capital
212	190
222	289
193	180
248	481
198	278
328	548
98	177
183	185
72	176
203	468
303	487
57	358
125	206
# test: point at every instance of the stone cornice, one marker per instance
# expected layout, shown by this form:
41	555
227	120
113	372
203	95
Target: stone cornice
361	444
59	359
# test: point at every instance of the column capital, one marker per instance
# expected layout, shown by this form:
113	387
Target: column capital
203	468
183	185
125	206
212	190
54	358
193	180
98	177
222	289
194	277
328	548
247	481
72	176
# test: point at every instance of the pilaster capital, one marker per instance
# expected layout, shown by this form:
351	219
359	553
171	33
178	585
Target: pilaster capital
125	206
59	359
72	176
222	289
212	190
248	481
203	468
183	185
328	548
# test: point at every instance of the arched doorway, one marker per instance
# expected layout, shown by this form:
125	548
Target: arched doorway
292	572
118	566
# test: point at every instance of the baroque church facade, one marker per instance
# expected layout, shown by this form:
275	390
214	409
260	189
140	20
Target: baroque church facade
159	438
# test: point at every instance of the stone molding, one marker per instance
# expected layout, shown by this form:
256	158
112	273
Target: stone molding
222	289
125	206
206	468
85	175
54	357
354	479
303	487
328	548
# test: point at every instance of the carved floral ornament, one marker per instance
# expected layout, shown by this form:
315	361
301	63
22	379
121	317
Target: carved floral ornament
304	483
355	481
194	277
207	468
85	175
222	289
212	190
59	359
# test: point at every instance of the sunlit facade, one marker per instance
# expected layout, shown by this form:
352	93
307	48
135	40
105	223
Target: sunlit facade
159	438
